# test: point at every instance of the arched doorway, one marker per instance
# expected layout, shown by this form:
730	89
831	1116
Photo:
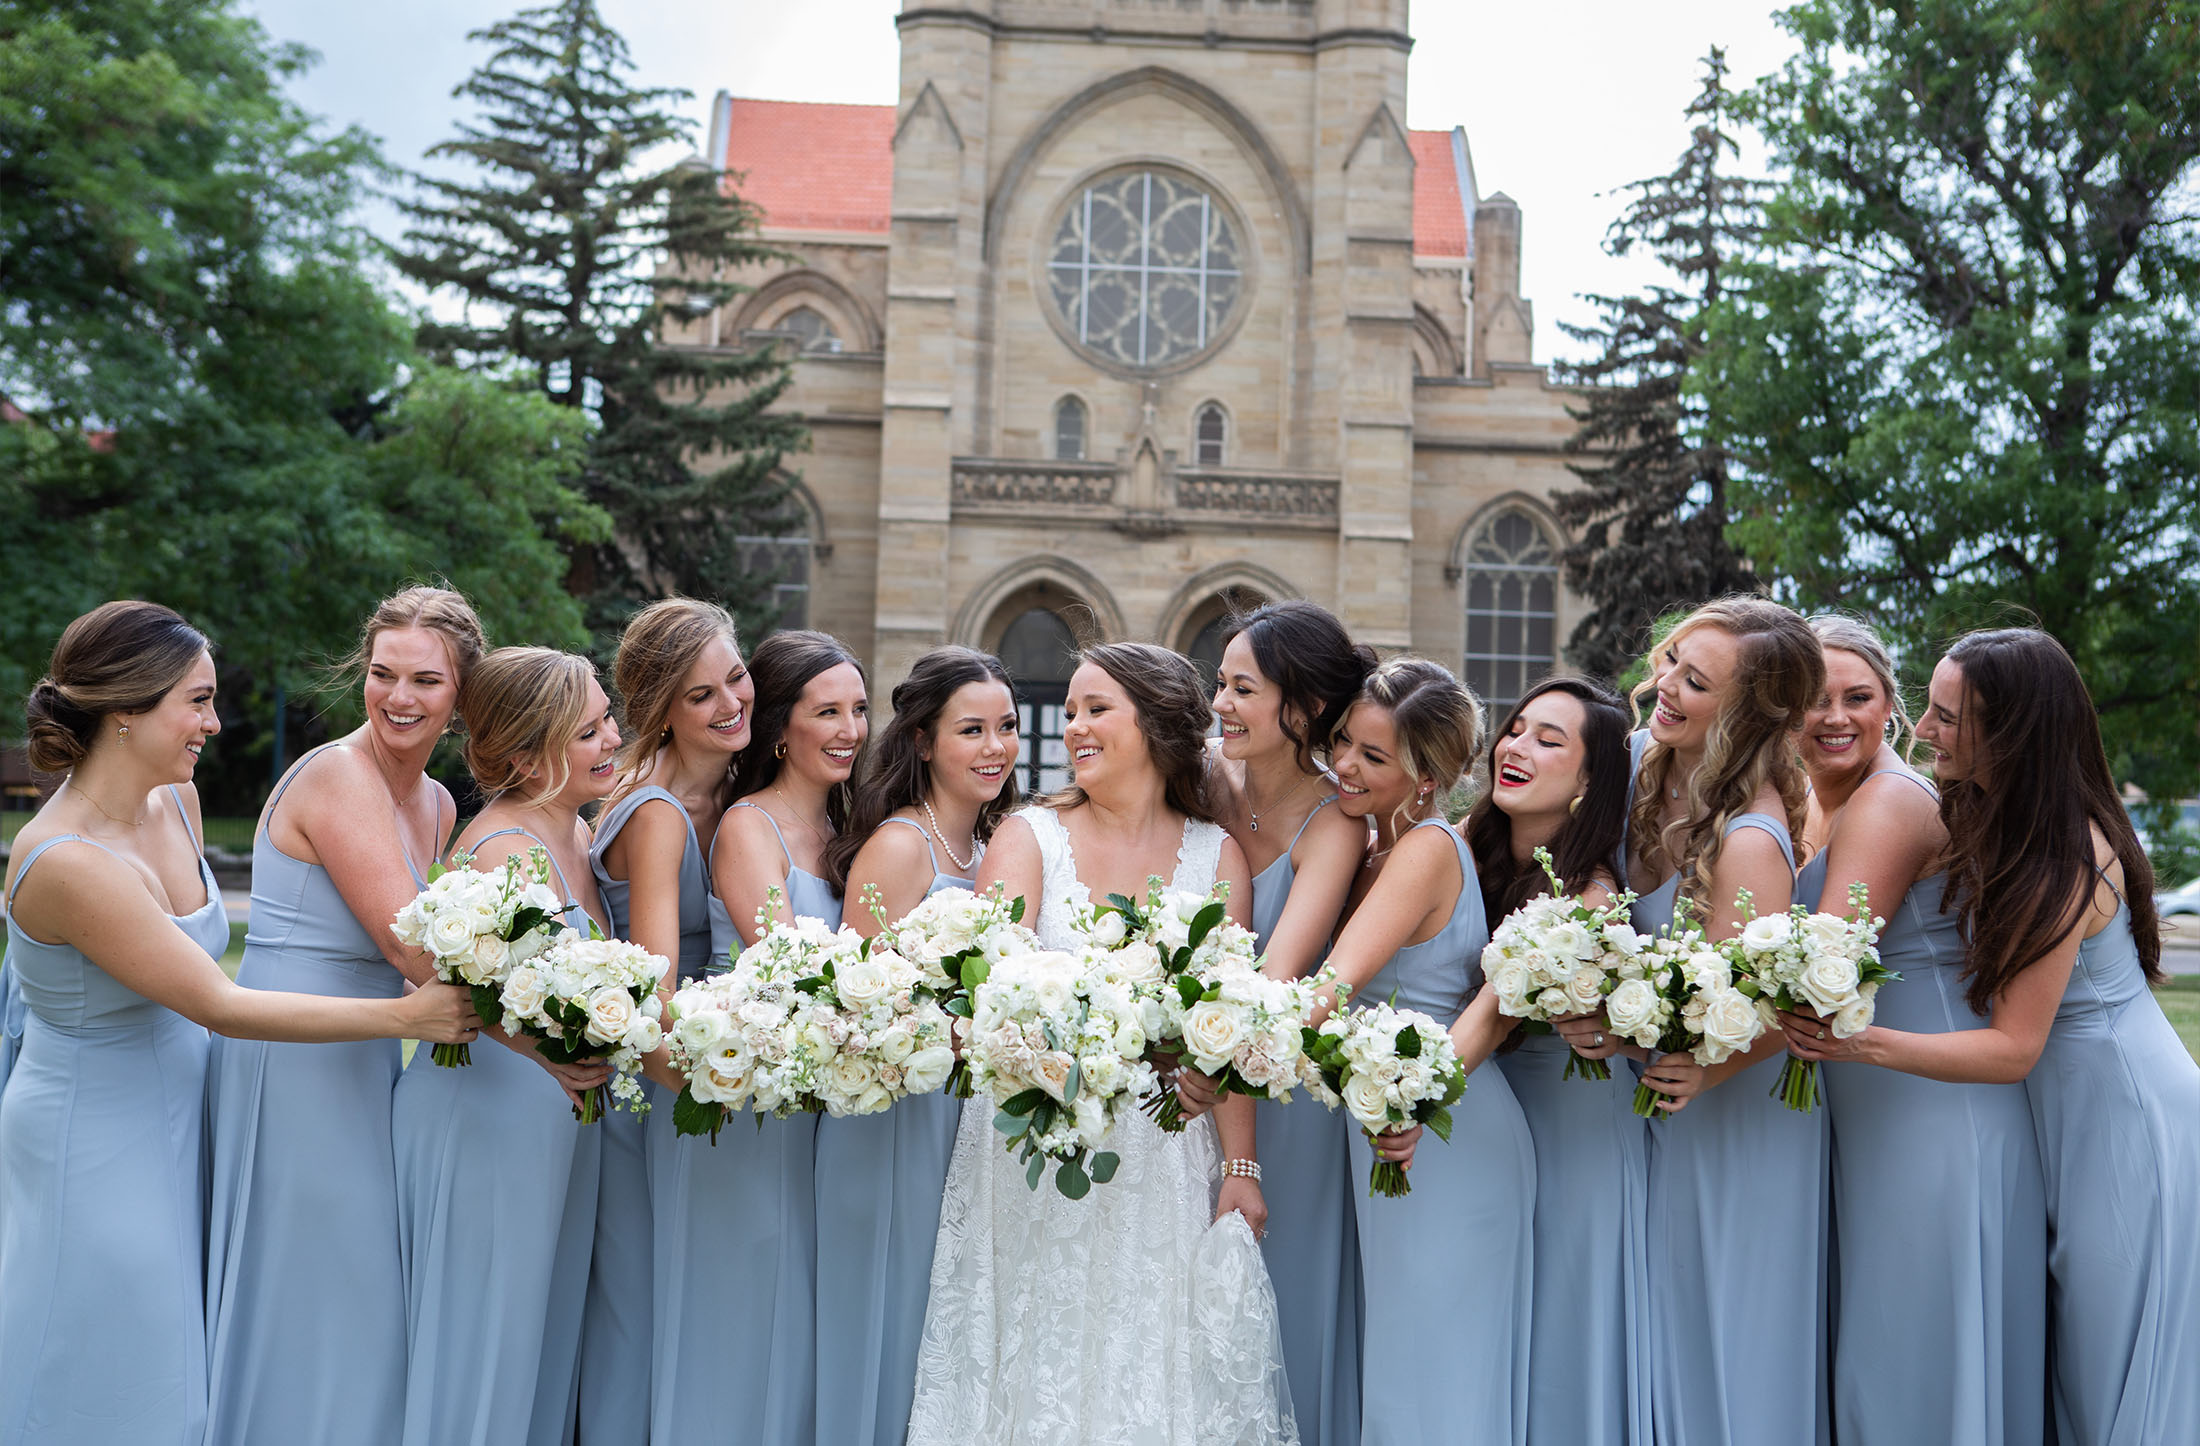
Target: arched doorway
1040	652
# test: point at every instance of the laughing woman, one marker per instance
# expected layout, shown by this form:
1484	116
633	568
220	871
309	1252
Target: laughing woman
1940	1321
735	1351
1739	1357
113	926
496	1180
687	695
2049	882
936	783
304	1204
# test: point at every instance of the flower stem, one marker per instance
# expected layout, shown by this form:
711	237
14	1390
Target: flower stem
1388	1179
590	1109
1580	1068
1646	1103
1798	1084
450	1056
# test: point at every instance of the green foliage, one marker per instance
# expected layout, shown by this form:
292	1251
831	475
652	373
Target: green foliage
1651	514
570	254
1963	376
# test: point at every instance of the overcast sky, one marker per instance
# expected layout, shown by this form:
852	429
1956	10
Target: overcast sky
1564	101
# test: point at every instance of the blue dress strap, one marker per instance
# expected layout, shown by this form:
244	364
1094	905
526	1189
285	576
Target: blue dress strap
1317	808
783	849
1776	827
175	795
58	838
571	903
924	832
267	814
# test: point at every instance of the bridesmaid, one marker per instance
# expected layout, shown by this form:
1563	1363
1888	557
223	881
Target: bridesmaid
940	777
687	696
496	1180
114	923
1739	1356
1446	1268
1289	671
304	1204
2049	882
1558	780
1940	1279
735	1347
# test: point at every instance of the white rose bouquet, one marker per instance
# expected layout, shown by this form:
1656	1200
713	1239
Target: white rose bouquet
889	1036
1390	1067
1824	963
589	998
1555	955
1243	1028
1676	991
749	1037
1058	1043
478	925
954	938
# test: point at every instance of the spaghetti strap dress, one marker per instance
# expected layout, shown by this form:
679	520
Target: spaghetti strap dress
103	1199
1939	1242
496	1207
735	1278
1312	1246
615	1326
303	1210
2116	1108
1738	1184
879	1182
1447	1268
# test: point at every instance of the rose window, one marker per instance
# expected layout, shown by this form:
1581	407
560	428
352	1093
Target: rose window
1146	268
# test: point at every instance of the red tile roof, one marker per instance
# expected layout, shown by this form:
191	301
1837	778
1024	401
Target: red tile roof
817	167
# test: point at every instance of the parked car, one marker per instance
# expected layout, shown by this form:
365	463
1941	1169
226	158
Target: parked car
2184	899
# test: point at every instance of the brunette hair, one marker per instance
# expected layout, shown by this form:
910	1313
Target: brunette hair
121	657
1589	842
523	705
1437	719
782	666
2020	843
437	609
1779	672
1314	664
1856	637
895	776
659	645
1173	713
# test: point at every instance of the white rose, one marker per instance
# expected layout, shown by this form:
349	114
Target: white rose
850	1075
927	1069
1172	930
610	1015
1852	1018
528	945
862	983
1090	1117
1730	1022
450	935
1585	990
1510	980
1828	982
1365	1098
492	957
1767	932
1109	930
1051	1069
1553	1001
1212	1033
523	992
1632	1007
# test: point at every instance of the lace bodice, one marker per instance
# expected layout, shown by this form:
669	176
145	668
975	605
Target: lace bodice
1062	893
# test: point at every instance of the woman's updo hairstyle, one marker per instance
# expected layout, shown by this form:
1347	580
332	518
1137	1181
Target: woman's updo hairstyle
121	657
781	667
1437	719
1314	664
659	645
1172	703
437	609
524	707
1854	636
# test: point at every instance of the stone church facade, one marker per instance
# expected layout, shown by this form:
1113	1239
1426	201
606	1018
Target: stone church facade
1128	311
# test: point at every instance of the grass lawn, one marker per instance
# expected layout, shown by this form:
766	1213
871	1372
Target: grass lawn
2181	1002
233	834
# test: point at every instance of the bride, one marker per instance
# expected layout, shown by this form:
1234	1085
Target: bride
1140	1315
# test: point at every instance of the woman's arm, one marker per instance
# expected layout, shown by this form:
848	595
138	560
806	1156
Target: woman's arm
1012	861
647	853
896	861
1409	902
337	813
1322	865
747	863
572	1078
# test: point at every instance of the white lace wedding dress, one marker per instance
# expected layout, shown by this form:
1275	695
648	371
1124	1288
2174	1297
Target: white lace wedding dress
1123	1319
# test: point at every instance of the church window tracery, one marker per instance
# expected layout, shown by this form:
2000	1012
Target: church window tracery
1146	267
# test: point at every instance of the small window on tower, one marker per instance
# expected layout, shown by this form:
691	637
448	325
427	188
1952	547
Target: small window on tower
1069	430
1211	432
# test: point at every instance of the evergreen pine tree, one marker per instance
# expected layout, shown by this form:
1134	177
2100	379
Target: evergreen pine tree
1651	514
569	253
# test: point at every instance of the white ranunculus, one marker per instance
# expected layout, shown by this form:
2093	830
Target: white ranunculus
1570	941
610	1015
1632	1007
895	1044
927	1069
523	991
1109	930
1852	1018
643	1035
699	1033
1621	938
1767	932
1828	982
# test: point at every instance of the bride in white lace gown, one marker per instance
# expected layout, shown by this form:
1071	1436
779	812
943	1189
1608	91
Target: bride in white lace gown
1142	1314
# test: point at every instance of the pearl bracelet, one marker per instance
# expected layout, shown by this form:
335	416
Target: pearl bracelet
1242	1169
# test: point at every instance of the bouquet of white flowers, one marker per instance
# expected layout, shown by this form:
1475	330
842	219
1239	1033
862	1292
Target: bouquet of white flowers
1679	993
954	938
1555	955
889	1035
1245	1029
749	1037
1821	962
477	925
589	998
1170	939
1058	1042
1390	1067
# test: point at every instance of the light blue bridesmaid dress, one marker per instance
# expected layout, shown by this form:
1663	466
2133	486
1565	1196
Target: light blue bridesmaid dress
1738	1205
102	1200
1446	1269
879	1182
12	1011
735	1349
303	1210
1312	1245
496	1210
1939	1216
2116	1106
614	1399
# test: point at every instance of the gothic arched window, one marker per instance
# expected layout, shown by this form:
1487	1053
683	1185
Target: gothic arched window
1511	577
812	332
1210	435
1145	268
1069	430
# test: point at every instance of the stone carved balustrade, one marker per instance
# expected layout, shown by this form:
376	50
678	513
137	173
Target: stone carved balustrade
1105	491
994	484
1262	495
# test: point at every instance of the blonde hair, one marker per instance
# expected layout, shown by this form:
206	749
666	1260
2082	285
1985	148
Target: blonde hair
1437	720
524	706
659	645
1853	635
1779	672
437	609
121	657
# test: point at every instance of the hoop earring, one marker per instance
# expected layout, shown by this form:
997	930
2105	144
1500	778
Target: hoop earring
1575	806
779	750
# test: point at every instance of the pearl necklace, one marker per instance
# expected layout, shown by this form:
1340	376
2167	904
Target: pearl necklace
962	864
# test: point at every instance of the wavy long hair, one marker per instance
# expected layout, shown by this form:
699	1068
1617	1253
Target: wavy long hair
1589	842
1779	672
1171	700
782	667
2020	842
659	645
1315	666
896	776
